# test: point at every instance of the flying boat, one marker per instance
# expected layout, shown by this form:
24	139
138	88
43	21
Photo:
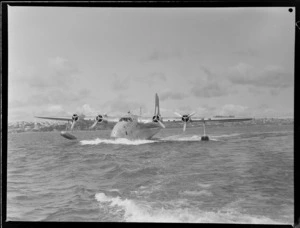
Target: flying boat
135	127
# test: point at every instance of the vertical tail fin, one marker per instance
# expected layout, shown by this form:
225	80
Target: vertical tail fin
156	110
157	118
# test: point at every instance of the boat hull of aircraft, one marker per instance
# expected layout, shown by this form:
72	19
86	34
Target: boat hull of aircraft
134	130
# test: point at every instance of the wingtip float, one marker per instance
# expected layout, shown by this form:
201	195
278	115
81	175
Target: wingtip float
67	135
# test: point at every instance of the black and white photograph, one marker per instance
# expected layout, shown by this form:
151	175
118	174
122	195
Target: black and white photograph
151	114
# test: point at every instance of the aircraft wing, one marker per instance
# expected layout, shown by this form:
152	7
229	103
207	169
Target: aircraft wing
55	118
233	119
212	119
107	119
145	119
196	119
74	118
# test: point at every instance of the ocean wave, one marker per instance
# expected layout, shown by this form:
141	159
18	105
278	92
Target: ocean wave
226	135
196	193
201	185
134	211
120	141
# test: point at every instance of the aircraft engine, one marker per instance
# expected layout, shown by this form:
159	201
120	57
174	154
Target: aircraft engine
185	118
158	119
75	118
98	119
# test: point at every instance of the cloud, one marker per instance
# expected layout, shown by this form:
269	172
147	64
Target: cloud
14	104
264	110
268	77
202	111
54	109
60	110
57	96
209	74
62	66
120	83
212	89
122	104
59	72
18	115
184	109
163	55
46	90
172	95
248	52
263	106
152	78
275	92
236	110
210	84
269	112
255	91
87	110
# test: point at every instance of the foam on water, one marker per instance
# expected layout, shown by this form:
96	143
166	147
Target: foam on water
201	185
121	141
134	211
180	138
226	135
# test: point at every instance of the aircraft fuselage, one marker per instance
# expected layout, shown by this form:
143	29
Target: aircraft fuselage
129	127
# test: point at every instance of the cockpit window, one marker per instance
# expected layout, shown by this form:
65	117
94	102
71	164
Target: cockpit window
126	119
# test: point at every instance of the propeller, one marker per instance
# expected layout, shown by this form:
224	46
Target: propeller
75	118
184	126
98	119
185	118
157	119
161	124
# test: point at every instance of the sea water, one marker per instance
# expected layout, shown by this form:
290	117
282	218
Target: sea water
244	174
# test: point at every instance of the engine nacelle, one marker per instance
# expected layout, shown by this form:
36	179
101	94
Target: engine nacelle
186	118
75	117
156	118
99	118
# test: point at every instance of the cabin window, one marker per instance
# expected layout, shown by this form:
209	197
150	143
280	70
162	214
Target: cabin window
126	119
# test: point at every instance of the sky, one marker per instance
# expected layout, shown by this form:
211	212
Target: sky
214	61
